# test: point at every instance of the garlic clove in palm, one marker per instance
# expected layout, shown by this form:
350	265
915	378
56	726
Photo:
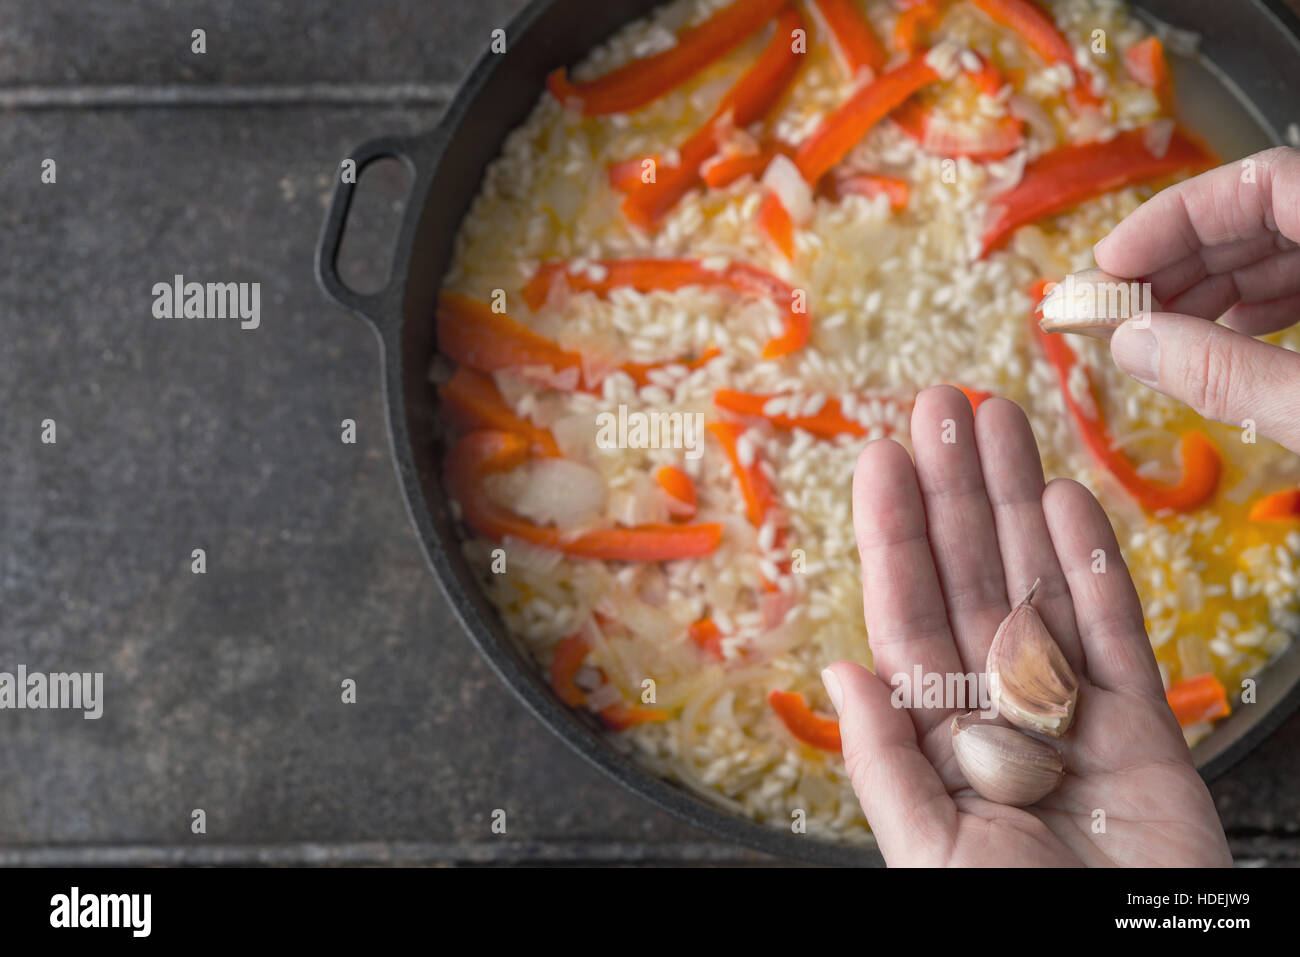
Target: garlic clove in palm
1095	303
1031	683
1005	765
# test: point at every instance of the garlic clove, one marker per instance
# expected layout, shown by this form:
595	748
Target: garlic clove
1031	683
1005	765
1095	303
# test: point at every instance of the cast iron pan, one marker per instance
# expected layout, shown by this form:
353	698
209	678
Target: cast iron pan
1254	43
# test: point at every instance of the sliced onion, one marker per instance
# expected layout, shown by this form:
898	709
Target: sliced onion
575	435
650	501
1026	108
555	491
595	367
1091	126
565	380
641	618
775	605
731	139
675	506
783	178
944	58
1005	174
512	388
588	678
532	558
604	696
1157	135
640	503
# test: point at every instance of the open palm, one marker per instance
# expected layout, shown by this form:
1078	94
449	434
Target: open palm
947	545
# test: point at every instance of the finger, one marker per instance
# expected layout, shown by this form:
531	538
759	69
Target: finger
1234	202
1242	252
1207	299
963	537
1173	281
1262	318
1107	611
909	810
1220	373
1270	278
907	624
1013	474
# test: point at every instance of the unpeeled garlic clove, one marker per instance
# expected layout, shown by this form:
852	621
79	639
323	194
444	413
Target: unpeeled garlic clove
1005	765
1095	303
1031	683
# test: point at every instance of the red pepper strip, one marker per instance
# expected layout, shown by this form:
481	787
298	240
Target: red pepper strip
679	487
640	371
870	185
1038	30
775	222
645	275
620	716
1145	62
1070	175
976	397
856	44
1201	460
472	401
804	723
910	23
472	334
480	454
852	120
642	81
1198	699
625	175
708	637
993	142
566	662
828	422
746	103
1000	139
723	170
754	486
1278	507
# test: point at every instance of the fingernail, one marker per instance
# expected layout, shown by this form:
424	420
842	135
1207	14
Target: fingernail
1136	350
833	689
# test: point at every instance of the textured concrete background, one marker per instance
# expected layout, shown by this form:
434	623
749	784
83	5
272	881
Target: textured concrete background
223	689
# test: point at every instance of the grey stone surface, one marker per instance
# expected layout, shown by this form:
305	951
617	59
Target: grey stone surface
61	42
223	689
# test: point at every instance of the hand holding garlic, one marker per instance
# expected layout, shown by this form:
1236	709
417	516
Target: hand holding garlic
1222	253
1094	303
1070	664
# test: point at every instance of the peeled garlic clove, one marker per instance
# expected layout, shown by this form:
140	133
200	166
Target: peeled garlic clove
1031	683
1094	303
1004	765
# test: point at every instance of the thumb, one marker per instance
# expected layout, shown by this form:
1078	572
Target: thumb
1222	374
906	804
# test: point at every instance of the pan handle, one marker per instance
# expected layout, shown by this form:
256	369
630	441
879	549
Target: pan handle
375	306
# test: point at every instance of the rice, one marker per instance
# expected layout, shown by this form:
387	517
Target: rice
898	305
